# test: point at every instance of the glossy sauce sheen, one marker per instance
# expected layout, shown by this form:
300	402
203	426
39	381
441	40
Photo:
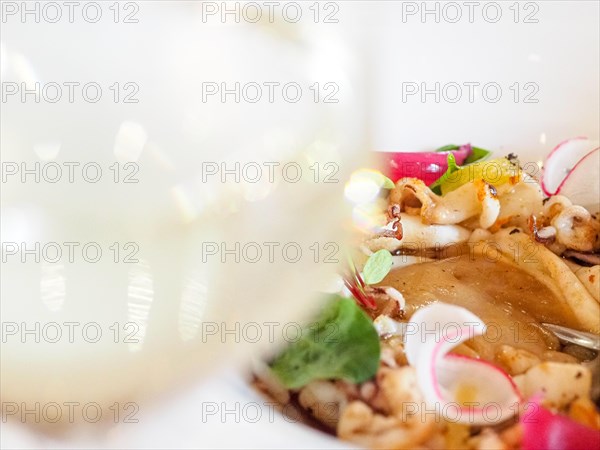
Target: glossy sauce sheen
511	302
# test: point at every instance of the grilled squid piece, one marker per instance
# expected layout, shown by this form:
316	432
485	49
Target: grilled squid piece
569	229
324	400
417	235
545	235
576	229
470	200
519	201
403	425
554	206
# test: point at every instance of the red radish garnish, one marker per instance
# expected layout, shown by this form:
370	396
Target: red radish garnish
427	166
582	184
460	388
543	430
560	162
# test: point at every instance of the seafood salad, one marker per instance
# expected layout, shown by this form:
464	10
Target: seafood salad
468	312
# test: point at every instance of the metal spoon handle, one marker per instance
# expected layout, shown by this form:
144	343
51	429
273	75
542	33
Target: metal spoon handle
581	338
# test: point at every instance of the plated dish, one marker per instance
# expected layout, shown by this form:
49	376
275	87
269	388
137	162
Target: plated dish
443	333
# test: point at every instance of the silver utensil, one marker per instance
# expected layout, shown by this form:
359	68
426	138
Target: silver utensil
581	338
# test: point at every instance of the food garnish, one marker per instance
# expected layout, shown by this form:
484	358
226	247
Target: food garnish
377	267
496	172
544	430
341	344
468	390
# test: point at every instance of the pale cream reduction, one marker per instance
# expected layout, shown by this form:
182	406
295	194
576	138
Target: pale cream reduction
511	302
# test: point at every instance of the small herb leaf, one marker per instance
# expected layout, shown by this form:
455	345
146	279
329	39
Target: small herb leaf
452	167
377	267
477	154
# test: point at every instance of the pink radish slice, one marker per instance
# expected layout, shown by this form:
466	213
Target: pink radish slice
495	397
427	166
543	430
439	317
461	389
561	160
582	184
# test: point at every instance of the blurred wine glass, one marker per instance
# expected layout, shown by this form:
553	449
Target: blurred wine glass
176	211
